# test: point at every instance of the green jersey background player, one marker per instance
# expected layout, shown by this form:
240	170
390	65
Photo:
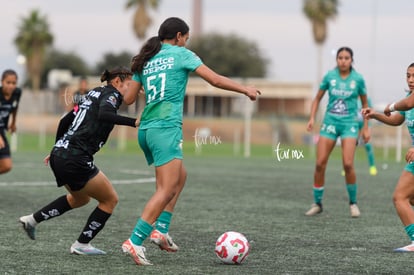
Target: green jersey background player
367	145
345	88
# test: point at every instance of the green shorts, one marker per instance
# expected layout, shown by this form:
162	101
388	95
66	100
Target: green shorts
161	145
342	130
409	167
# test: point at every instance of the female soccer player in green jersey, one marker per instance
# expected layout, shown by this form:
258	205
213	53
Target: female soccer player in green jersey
403	196
162	68
345	87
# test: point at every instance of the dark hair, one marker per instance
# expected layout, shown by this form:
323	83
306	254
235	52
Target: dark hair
411	65
346	49
7	73
168	30
122	72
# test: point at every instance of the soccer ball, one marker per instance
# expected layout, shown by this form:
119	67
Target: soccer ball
232	247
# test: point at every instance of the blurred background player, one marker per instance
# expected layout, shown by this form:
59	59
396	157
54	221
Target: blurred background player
367	145
79	136
9	102
79	95
345	88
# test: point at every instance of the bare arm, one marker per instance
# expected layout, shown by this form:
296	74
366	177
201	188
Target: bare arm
365	130
314	109
133	90
12	126
226	83
403	105
395	119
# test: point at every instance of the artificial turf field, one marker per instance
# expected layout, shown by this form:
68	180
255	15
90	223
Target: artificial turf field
261	197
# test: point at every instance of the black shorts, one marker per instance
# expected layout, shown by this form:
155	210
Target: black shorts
5	151
75	172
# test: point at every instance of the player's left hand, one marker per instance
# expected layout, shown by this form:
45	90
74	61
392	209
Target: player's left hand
46	160
409	157
366	135
12	128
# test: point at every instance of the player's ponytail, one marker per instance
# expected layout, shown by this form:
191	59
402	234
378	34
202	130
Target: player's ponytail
120	71
168	30
151	48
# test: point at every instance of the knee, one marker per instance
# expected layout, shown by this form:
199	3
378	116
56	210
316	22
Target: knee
348	167
6	168
398	197
112	202
320	167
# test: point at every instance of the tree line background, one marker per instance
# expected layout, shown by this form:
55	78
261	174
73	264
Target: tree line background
228	54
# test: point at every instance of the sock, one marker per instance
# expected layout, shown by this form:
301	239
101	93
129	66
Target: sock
163	222
53	209
409	229
95	223
141	231
318	194
352	192
370	153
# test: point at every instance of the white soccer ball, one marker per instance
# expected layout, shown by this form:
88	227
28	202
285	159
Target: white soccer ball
232	247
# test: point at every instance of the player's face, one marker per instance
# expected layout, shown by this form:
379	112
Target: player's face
123	85
9	83
344	61
410	78
182	39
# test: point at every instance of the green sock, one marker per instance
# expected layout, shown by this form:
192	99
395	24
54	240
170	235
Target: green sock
163	222
370	153
352	192
318	194
141	231
409	229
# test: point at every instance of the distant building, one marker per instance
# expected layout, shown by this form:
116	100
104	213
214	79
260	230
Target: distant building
291	99
280	98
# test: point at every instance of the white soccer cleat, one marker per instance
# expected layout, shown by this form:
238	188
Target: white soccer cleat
407	248
136	252
164	241
314	210
355	213
28	225
85	249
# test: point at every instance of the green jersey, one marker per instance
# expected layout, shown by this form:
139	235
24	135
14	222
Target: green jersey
343	95
409	121
164	78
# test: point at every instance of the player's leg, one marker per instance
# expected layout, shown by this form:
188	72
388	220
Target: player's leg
348	154
160	235
167	186
61	169
371	159
324	148
99	188
6	165
402	197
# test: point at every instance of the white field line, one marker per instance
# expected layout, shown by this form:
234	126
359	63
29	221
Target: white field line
45	183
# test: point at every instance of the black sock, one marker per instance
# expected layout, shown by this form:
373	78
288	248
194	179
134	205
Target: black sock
95	223
53	209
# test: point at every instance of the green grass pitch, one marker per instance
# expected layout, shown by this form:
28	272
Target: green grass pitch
261	197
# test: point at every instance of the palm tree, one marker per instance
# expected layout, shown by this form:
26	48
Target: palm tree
141	18
318	12
32	39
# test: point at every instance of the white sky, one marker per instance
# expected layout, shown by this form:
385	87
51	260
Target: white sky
379	32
